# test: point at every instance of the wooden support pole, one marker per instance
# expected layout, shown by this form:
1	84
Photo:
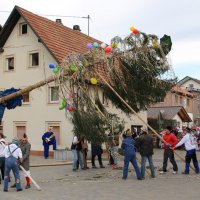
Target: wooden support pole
33	181
26	90
133	111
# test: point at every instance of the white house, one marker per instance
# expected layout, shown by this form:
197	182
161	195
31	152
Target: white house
28	44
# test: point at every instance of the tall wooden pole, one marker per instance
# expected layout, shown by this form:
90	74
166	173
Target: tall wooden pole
26	90
133	111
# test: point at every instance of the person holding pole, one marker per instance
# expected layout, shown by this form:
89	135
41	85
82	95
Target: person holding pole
128	144
145	143
190	146
13	155
170	141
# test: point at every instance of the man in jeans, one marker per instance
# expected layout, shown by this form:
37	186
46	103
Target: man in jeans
170	142
145	143
12	154
190	146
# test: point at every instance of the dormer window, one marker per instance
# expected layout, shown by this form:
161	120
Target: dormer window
23	27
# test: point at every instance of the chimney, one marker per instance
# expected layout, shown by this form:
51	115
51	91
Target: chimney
59	21
76	28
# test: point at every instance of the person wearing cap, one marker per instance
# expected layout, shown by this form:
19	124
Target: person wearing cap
145	143
170	140
128	144
190	146
13	154
2	156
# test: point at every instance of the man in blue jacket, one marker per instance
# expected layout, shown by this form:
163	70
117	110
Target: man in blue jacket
48	139
128	144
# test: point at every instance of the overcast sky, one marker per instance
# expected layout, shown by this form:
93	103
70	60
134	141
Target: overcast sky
178	18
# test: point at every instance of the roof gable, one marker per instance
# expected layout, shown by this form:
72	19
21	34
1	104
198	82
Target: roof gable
169	113
58	39
187	78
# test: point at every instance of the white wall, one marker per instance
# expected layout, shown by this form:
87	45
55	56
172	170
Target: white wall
187	83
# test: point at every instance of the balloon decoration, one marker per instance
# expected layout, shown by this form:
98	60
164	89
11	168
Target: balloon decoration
89	45
70	108
103	45
95	45
93	81
55	70
68	97
72	68
132	28
114	44
135	31
63	104
155	43
108	49
51	65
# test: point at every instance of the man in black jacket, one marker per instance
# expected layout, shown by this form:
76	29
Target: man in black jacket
145	142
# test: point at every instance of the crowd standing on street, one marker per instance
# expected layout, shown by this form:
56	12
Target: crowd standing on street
16	154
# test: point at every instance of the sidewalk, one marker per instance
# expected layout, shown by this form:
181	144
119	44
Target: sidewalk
60	182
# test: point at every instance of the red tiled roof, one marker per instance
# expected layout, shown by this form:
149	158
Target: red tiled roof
59	39
182	91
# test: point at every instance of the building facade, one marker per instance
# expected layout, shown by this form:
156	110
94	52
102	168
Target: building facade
192	85
28	44
177	97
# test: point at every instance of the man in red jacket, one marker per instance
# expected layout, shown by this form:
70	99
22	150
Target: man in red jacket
171	141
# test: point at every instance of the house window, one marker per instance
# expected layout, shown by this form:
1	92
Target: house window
34	59
23	27
53	94
26	98
10	63
19	129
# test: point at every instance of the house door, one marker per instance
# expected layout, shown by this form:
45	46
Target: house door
56	130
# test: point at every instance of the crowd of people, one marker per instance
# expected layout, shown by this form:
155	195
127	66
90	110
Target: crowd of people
142	142
15	155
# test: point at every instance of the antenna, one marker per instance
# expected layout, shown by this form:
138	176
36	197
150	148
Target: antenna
88	18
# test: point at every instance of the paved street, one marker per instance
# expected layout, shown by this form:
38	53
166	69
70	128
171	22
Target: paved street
59	182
